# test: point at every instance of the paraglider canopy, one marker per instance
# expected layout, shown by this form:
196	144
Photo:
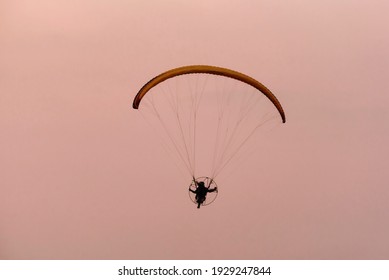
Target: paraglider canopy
193	69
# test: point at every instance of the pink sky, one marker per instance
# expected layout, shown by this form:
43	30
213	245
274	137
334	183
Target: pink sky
74	183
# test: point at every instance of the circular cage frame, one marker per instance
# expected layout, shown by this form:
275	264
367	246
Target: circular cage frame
209	183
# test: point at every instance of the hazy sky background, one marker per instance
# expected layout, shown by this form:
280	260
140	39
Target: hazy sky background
82	177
